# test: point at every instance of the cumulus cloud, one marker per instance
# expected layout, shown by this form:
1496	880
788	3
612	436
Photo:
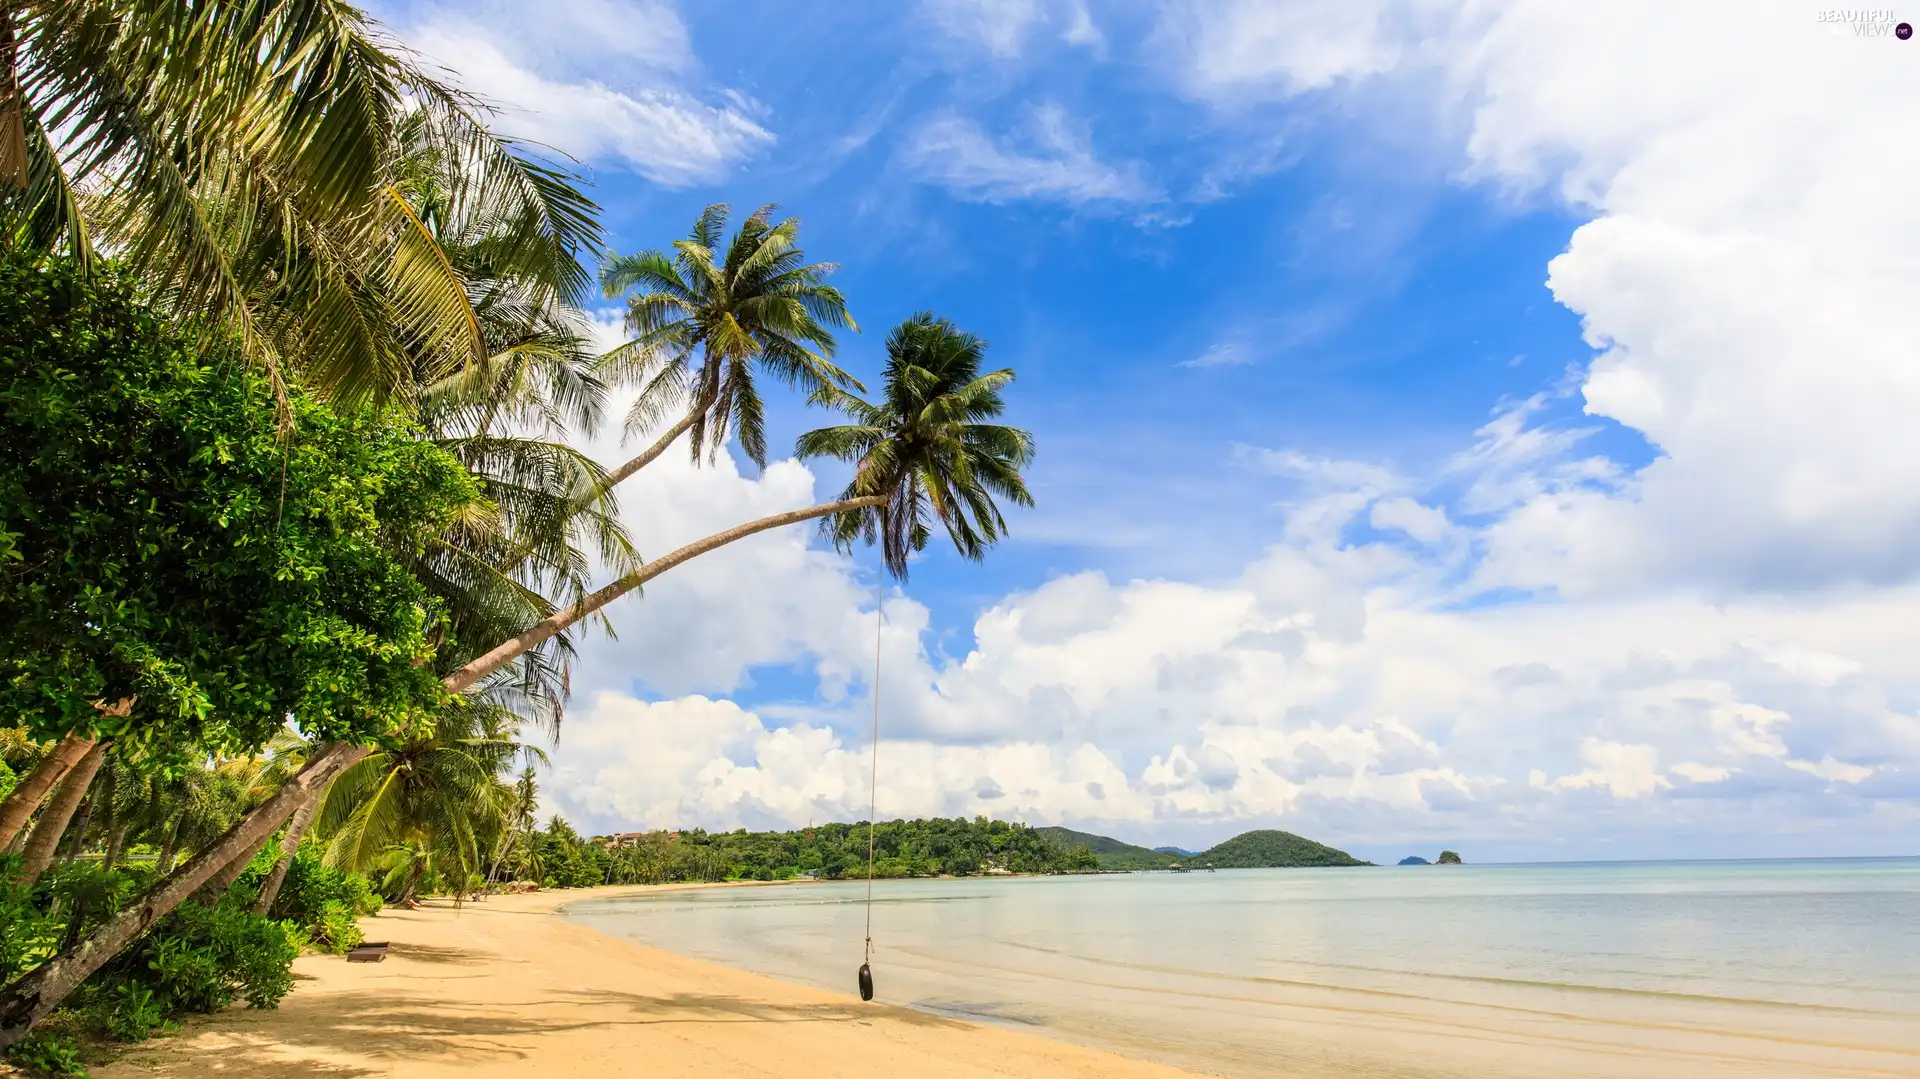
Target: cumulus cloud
1329	689
1053	161
600	80
1726	634
1744	275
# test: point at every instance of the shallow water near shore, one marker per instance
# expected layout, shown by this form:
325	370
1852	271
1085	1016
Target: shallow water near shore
1698	969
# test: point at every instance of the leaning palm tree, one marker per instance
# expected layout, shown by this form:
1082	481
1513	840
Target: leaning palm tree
922	454
274	170
704	318
925	433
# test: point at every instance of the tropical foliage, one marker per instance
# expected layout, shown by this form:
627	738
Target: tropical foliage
164	543
294	530
704	317
251	163
198	960
902	848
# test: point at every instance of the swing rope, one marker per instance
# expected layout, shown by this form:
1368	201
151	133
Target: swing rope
873	776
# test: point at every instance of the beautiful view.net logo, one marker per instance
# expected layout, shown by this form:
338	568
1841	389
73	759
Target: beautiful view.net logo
1868	22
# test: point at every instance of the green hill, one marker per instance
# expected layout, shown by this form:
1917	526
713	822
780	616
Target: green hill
1265	849
1098	844
1270	849
1112	853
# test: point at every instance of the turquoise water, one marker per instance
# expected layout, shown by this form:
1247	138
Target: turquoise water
1618	969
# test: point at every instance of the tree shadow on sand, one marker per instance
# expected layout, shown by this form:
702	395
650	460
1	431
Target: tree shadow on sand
380	1028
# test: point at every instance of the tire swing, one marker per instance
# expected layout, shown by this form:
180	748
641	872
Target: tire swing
873	786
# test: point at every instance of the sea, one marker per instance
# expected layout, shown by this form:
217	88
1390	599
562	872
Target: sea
1755	969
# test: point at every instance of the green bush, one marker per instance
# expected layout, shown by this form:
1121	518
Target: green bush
337	930
199	958
137	1013
27	934
48	1054
325	902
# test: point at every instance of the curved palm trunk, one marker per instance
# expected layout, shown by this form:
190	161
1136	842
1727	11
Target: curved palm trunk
289	846
217	885
26	797
116	844
77	835
556	623
645	458
13	122
671	435
42	989
107	794
164	863
53	823
39	991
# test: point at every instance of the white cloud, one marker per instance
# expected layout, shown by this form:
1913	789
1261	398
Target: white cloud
1223	354
1003	27
767	600
1745	276
1236	52
1428	524
600	80
1331	690
1055	163
1325	471
1624	771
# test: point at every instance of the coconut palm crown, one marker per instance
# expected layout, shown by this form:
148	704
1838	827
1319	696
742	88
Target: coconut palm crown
926	446
704	317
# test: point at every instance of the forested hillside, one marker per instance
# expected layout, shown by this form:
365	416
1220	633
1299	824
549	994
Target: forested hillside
916	848
1270	849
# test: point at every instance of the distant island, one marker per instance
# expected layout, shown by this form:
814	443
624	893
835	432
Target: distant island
1261	849
1182	851
1447	857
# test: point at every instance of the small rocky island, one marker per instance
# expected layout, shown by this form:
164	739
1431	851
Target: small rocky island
1447	857
1414	859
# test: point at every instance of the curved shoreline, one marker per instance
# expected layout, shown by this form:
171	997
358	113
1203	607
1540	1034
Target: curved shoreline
509	987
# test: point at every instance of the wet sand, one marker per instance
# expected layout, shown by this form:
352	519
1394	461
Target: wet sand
506	987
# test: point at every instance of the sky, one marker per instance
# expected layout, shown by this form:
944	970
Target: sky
1461	424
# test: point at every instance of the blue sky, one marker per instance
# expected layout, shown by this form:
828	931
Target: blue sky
1458	424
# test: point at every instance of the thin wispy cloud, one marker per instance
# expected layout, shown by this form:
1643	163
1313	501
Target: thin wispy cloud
1222	354
1050	159
1002	28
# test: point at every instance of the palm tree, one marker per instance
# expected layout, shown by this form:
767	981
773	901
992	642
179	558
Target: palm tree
432	796
921	454
926	448
519	803
702	322
246	161
353	223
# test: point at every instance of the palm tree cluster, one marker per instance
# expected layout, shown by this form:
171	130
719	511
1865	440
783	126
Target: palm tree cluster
281	176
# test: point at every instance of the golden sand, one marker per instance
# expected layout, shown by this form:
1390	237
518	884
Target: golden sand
508	988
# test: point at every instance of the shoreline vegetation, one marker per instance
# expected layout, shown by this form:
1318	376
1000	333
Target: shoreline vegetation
930	847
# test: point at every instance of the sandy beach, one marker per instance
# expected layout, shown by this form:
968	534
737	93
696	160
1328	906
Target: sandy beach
508	988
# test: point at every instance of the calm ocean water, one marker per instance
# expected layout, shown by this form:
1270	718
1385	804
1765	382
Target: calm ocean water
1777	968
